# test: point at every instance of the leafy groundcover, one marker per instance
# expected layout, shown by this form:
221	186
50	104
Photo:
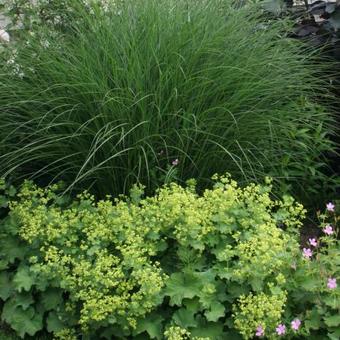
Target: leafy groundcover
222	265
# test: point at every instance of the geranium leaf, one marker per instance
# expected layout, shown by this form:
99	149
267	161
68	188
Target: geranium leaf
314	320
333	320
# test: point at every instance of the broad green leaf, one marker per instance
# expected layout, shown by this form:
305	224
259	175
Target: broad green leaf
333	320
6	287
216	311
256	284
27	325
182	285
11	249
192	305
152	324
236	289
223	271
313	320
334	335
185	318
54	324
22	321
332	301
23	300
310	283
232	335
11	225
23	279
51	298
212	330
8	311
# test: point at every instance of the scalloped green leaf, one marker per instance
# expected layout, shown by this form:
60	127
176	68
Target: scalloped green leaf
212	330
216	311
313	320
6	287
185	318
22	321
11	249
23	300
333	320
182	285
54	324
23	279
51	298
151	324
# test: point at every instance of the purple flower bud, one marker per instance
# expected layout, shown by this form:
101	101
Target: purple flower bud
175	162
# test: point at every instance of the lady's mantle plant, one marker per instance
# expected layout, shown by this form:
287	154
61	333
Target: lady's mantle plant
177	265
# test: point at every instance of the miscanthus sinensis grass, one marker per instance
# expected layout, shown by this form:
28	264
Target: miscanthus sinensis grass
154	90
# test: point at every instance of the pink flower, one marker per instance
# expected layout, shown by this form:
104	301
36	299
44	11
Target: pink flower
175	162
328	230
330	206
307	253
281	329
296	323
259	331
313	242
331	284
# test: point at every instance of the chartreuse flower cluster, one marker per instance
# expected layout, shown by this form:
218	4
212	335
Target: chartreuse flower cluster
99	252
178	333
171	266
260	310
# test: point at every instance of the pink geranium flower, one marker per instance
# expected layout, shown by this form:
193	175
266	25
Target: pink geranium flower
330	206
281	329
313	242
296	323
328	230
307	253
331	283
259	331
175	162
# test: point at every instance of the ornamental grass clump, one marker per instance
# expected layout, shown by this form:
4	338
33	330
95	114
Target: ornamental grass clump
150	91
